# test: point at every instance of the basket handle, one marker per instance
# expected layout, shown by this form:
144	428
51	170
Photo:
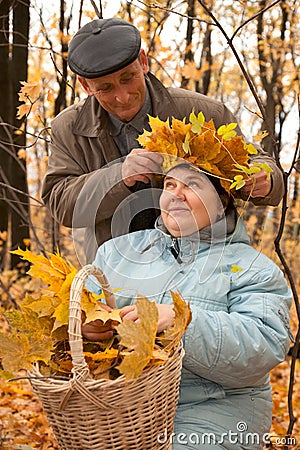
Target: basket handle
80	368
75	335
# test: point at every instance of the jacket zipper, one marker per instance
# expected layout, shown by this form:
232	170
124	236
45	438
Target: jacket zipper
175	250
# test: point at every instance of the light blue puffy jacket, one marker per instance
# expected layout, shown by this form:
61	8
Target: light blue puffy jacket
239	331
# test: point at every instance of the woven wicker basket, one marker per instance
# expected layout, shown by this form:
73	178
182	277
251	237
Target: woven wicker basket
88	414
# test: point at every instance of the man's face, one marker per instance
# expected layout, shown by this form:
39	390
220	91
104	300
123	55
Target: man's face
121	93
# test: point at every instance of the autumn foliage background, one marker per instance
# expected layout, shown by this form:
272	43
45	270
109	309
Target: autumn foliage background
245	53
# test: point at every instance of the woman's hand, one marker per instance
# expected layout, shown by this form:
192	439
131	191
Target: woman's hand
97	330
166	315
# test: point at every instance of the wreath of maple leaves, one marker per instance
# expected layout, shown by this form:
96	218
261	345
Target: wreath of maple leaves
219	152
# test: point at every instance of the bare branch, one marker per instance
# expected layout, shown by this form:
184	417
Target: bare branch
22	212
254	17
9	187
173	11
11	298
98	13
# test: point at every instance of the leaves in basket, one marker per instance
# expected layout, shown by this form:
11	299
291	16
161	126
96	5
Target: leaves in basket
102	314
100	363
138	338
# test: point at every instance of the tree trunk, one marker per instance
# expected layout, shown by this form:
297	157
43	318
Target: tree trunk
206	62
18	175
5	107
61	100
189	56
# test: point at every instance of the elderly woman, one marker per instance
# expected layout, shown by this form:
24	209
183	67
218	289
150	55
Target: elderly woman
239	301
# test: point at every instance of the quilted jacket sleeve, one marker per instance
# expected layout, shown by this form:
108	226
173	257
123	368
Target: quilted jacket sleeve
239	347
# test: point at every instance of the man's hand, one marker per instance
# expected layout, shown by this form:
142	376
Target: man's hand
139	165
259	185
166	315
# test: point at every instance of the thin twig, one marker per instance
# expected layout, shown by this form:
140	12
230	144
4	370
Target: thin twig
9	187
254	17
5	289
23	214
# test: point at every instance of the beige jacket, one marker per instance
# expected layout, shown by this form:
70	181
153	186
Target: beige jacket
83	186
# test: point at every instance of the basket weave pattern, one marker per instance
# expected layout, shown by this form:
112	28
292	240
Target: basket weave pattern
88	414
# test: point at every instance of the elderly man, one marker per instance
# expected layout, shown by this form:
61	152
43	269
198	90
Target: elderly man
97	177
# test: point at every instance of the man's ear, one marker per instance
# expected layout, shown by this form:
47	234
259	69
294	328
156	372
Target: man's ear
144	61
85	86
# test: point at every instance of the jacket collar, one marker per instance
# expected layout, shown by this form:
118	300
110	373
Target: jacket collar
229	229
92	119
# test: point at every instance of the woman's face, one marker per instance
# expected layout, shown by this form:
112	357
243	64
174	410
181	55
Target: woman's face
189	202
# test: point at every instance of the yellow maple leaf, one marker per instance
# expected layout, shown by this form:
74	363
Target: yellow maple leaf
138	338
183	316
100	363
22	153
238	182
259	137
197	122
250	149
44	305
103	315
52	271
59	263
23	110
161	139
235	268
28	342
265	167
109	353
31	90
64	289
227	131
25	351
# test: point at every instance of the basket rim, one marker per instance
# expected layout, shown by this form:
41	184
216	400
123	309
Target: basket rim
86	386
35	374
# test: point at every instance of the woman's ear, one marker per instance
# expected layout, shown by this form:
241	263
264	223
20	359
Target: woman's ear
223	204
85	86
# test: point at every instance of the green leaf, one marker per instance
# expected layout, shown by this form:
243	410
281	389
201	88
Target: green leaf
238	183
266	168
197	122
247	170
227	131
186	144
251	149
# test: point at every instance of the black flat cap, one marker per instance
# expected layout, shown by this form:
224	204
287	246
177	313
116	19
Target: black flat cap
103	46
